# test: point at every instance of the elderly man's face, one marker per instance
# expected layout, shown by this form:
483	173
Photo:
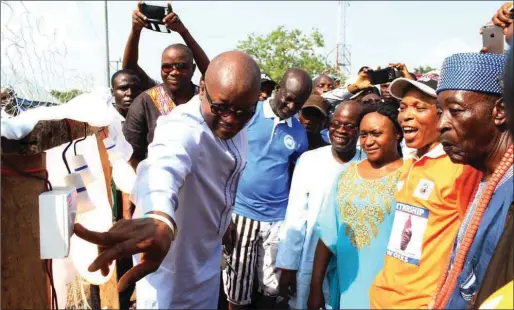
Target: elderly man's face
468	124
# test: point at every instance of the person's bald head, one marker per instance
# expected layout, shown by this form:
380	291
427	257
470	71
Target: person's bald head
177	67
322	83
293	90
232	82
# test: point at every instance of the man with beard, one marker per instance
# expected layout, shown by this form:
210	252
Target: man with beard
473	129
313	177
184	193
275	141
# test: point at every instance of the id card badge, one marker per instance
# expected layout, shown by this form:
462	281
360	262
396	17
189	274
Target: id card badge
409	226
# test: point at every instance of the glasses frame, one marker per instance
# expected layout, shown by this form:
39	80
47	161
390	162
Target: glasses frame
221	110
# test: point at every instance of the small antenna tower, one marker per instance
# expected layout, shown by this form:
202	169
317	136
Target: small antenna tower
343	56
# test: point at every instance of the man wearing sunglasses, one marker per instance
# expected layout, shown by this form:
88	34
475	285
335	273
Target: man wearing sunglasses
185	191
275	141
177	69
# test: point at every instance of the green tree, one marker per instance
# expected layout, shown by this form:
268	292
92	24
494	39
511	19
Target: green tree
282	49
423	69
65	96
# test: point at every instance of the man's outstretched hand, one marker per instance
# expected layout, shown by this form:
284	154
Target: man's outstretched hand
150	237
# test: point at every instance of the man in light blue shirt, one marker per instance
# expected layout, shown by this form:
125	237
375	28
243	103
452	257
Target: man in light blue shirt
275	141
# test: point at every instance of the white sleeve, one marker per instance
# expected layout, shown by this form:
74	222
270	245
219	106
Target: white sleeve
162	174
294	227
337	95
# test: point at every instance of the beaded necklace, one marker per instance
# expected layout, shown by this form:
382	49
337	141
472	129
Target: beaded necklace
450	282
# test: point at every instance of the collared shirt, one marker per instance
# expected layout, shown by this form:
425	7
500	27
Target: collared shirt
142	117
433	193
273	145
191	175
313	177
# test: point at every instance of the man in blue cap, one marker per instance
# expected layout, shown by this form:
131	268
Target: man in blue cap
473	128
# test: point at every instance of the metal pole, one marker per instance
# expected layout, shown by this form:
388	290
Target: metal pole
107	69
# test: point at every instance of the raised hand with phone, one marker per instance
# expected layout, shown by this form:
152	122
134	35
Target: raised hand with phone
498	30
157	17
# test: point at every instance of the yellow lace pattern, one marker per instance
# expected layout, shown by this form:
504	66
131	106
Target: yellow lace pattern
362	222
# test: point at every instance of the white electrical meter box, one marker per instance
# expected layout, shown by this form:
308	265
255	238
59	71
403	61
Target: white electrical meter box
57	210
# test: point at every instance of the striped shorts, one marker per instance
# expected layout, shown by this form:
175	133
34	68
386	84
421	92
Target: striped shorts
255	252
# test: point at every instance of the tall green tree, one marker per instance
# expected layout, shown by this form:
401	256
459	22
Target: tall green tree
423	69
65	96
282	49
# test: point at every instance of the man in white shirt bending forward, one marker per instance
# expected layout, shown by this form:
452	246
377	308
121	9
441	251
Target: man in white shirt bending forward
185	191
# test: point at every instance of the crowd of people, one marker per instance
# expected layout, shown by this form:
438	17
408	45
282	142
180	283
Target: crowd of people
307	193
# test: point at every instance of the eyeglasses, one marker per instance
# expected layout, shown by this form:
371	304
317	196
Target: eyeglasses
168	67
224	110
348	127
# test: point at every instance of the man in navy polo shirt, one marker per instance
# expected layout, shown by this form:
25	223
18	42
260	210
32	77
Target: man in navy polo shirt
275	141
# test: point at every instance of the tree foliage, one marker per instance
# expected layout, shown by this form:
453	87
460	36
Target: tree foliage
65	96
282	49
423	69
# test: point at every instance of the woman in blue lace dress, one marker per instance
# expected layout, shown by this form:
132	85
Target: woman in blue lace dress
355	220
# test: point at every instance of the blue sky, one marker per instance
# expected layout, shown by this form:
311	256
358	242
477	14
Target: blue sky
379	32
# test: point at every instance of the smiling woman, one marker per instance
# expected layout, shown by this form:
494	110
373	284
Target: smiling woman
355	222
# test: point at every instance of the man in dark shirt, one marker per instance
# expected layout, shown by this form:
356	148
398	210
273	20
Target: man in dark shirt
177	69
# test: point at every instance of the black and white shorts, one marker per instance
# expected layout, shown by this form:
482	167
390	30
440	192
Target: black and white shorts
255	250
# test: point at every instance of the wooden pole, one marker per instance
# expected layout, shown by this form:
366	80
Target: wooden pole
24	281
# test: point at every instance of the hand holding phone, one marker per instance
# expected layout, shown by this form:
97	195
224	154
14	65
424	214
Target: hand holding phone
383	76
155	16
493	39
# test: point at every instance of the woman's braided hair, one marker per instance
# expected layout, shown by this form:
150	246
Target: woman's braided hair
391	112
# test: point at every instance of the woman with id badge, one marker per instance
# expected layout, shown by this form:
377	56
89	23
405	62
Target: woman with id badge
433	194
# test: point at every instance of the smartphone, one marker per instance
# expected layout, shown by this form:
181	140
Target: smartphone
383	76
155	14
493	38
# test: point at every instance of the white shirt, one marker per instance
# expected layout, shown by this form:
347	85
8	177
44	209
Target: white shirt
313	177
192	176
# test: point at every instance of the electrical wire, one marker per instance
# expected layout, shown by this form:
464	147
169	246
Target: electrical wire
49	272
27	173
70	137
80	140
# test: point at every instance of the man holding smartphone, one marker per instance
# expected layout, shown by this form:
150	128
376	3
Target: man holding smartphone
177	69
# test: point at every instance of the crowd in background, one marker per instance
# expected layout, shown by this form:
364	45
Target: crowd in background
398	195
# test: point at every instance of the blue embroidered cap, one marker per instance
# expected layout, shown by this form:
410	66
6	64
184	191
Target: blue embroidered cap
479	72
